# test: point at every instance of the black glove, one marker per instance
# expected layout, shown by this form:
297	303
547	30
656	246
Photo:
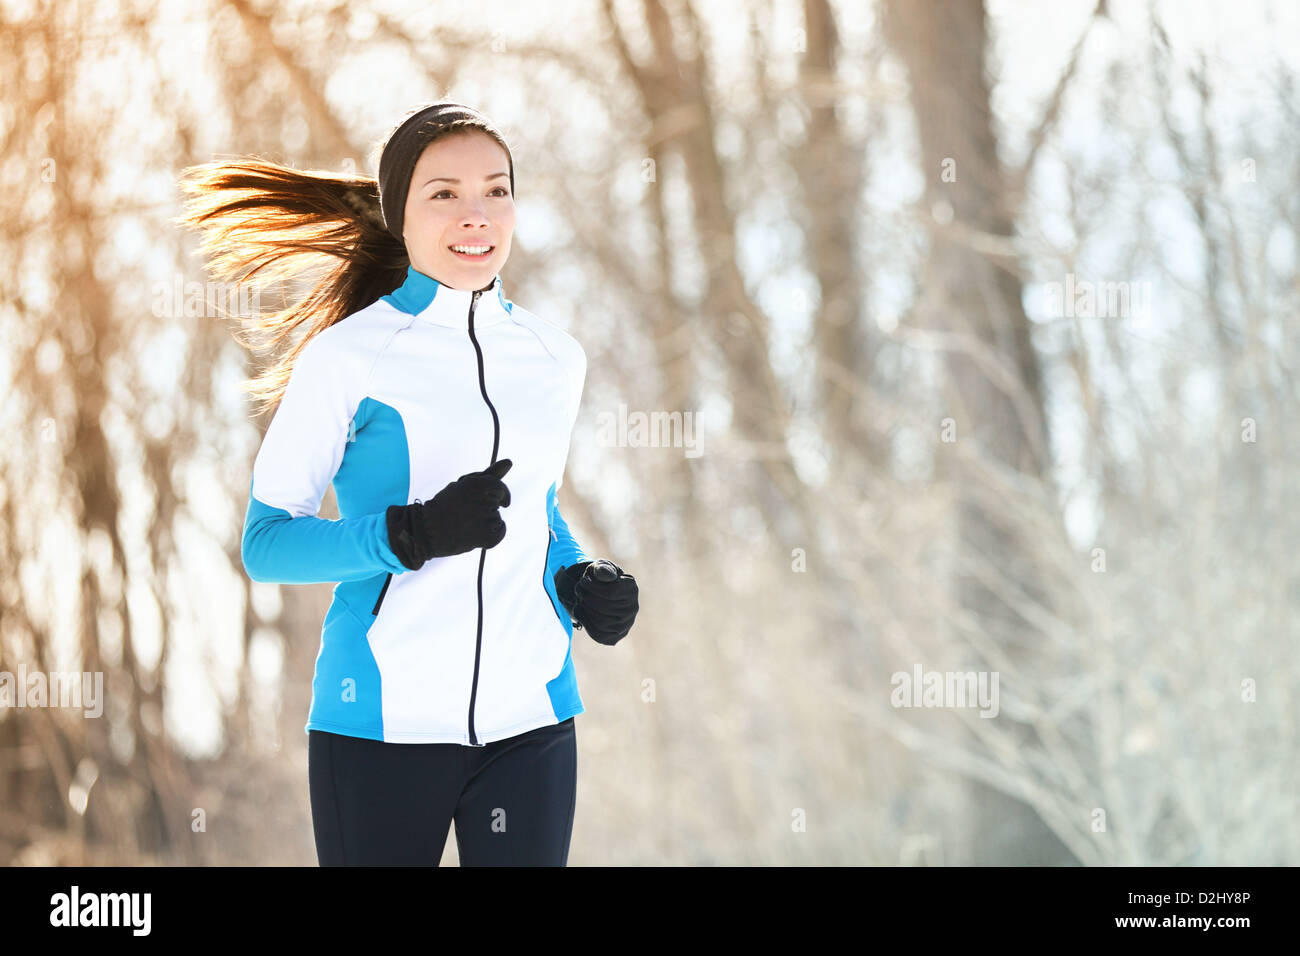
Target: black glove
461	517
599	597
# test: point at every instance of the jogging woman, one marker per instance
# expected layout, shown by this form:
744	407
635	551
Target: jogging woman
442	413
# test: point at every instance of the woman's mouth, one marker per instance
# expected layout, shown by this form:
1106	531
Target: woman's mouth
472	252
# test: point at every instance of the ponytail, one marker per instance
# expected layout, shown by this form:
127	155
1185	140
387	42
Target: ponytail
262	220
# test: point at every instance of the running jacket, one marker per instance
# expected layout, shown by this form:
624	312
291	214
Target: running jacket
390	404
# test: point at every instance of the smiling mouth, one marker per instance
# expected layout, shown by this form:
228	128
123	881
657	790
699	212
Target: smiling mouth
472	251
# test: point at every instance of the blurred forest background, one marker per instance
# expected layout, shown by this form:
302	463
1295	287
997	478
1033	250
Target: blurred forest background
851	237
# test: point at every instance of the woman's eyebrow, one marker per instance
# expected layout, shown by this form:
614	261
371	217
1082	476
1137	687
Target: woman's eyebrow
448	179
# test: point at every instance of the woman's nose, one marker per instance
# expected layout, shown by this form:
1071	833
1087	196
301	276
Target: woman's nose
474	215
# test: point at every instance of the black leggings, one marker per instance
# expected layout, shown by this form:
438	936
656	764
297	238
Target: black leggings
386	804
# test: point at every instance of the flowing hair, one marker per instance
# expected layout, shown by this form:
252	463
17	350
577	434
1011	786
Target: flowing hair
262	222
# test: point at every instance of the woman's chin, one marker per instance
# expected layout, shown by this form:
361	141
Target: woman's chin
469	275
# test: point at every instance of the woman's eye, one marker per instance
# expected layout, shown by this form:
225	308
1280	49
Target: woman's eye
441	192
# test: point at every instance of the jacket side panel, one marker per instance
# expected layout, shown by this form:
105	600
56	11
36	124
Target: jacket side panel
348	688
563	551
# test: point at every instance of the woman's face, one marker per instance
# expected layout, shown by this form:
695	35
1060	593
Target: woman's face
460	196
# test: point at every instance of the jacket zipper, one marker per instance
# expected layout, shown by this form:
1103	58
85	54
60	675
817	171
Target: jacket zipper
496	438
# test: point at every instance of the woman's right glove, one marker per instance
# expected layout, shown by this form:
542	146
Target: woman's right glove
461	517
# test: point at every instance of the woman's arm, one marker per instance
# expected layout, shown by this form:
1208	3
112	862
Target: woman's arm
308	550
565	549
283	540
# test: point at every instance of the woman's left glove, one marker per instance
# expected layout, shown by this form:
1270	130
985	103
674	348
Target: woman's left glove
600	597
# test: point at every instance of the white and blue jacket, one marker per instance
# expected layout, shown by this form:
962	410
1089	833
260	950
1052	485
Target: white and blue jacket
391	404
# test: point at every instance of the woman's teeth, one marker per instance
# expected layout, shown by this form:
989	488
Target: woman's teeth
472	252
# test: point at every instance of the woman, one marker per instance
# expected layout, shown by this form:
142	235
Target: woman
444	686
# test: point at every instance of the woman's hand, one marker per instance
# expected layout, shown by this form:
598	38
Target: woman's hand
464	516
600	597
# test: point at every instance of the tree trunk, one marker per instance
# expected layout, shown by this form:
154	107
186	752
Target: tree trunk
943	46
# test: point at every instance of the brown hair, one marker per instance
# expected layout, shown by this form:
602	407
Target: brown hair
264	222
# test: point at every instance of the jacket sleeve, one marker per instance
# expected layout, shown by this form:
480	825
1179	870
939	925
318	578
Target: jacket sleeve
283	540
565	549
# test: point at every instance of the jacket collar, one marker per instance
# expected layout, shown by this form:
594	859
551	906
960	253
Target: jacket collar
430	301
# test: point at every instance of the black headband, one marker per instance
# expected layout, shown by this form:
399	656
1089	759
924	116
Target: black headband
403	150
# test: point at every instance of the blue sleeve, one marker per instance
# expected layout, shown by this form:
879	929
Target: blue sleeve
284	541
565	550
307	550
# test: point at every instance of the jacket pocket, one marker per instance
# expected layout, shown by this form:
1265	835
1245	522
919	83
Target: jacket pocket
546	571
382	591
